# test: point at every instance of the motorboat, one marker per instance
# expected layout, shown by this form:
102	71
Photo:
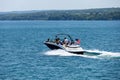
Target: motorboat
59	43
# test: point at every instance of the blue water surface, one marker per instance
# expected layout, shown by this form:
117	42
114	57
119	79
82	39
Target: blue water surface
22	52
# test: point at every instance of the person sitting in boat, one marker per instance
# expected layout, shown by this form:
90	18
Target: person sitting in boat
66	41
48	40
77	41
57	40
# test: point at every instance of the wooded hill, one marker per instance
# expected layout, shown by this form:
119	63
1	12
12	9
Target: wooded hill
87	14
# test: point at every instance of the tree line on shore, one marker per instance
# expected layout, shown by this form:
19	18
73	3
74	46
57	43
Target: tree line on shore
87	14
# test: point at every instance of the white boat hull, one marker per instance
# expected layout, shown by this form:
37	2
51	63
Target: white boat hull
72	48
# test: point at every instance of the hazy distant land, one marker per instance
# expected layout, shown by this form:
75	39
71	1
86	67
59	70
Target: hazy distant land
87	14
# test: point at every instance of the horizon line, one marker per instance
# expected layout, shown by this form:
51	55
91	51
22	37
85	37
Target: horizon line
54	9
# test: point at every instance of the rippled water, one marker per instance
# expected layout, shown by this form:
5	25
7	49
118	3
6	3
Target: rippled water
24	56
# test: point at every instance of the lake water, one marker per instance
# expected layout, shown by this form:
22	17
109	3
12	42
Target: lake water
23	56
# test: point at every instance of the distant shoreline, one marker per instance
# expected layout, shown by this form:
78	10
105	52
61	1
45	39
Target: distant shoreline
60	20
63	15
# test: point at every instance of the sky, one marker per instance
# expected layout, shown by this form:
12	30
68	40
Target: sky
23	5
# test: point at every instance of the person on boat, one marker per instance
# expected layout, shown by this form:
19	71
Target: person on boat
66	41
77	41
48	40
57	40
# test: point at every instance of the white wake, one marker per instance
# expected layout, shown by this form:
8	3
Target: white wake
88	54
